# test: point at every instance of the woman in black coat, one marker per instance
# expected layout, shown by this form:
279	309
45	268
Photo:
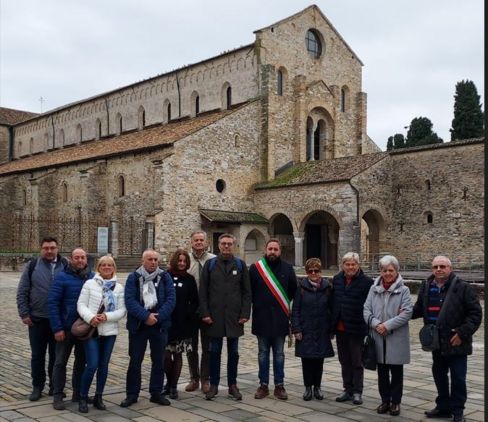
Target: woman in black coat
184	319
311	326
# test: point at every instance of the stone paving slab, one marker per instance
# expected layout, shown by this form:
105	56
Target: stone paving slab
419	389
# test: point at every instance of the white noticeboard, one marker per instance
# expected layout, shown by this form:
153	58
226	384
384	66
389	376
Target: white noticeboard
102	240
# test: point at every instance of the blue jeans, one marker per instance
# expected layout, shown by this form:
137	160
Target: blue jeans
457	366
215	347
97	354
264	346
138	340
41	338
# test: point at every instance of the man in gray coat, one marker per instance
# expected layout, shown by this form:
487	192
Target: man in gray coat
32	293
198	257
225	306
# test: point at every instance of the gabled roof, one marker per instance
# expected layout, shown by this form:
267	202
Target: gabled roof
127	143
323	171
10	116
232	217
316	8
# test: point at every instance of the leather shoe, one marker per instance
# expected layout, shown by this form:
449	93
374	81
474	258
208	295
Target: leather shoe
280	392
317	393
345	396
36	394
307	395
357	399
383	408
82	405
128	401
173	393
458	418
192	385
205	387
438	413
159	399
58	403
395	409
261	392
212	392
234	392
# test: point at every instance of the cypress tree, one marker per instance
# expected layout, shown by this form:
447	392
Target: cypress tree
468	116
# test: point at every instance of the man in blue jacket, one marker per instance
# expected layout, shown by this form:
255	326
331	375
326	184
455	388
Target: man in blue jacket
149	298
62	301
32	295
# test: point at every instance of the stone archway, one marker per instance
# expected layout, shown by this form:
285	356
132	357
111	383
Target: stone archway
372	236
282	229
321	231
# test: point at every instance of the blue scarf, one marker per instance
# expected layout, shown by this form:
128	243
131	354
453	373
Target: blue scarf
108	292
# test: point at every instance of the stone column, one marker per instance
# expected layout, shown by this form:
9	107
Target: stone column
114	238
299	236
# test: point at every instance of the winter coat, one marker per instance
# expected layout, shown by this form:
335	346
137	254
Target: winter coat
393	308
460	313
196	265
63	297
89	303
311	316
33	290
268	317
184	318
348	302
136	313
225	296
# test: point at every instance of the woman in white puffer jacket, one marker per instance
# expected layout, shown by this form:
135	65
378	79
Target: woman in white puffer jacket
98	348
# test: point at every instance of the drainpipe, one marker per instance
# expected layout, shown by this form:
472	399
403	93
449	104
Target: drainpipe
356	244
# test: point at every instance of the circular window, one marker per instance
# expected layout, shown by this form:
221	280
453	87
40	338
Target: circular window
313	43
220	185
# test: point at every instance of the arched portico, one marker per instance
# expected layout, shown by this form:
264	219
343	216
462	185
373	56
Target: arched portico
282	229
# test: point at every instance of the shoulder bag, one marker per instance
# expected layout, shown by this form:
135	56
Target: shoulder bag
82	330
368	352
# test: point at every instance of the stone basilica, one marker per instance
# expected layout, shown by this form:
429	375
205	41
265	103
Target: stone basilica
267	140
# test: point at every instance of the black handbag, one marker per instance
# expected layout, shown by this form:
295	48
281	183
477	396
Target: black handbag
368	352
429	337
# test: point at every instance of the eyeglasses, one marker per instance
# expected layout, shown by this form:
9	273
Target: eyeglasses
441	267
313	271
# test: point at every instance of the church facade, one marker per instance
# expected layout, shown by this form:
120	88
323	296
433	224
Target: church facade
268	140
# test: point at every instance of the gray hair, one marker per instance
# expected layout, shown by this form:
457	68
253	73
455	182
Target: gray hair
351	256
445	258
389	260
230	236
199	232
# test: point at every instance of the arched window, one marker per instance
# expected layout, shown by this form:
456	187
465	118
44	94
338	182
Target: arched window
141	118
197	105
279	83
430	217
228	98
427	184
98	129
79	133
118	124
24	196
168	111
65	192
343	100
121	186
313	43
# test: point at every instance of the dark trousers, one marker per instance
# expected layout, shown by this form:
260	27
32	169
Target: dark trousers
457	366
390	388
204	372
232	359
63	352
97	353
312	371
41	339
349	351
137	348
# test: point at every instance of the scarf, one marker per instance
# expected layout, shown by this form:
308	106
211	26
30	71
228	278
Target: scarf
148	289
314	285
108	287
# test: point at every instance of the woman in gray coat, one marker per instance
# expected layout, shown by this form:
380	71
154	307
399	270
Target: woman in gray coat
387	310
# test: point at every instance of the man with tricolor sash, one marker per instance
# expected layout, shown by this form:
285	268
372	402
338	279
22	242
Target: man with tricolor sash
273	285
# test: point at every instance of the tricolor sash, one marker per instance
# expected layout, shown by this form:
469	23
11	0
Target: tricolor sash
274	285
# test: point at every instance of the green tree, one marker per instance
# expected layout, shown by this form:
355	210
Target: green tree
389	144
468	116
420	133
396	141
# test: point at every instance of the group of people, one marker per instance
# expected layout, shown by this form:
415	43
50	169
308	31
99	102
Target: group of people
209	297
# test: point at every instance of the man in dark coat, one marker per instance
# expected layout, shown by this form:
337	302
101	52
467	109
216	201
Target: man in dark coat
150	299
225	306
62	304
273	285
350	290
453	306
32	295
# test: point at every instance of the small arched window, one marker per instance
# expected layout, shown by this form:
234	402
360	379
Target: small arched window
31	146
279	83
429	217
61	138
118	123
24	196
141	118
427	184
343	100
65	192
79	133
229	98
168	111
197	105
121	187
98	129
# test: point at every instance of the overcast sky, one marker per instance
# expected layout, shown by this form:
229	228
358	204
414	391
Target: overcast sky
414	51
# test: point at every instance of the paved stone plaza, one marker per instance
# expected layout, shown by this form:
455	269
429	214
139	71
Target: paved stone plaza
419	389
